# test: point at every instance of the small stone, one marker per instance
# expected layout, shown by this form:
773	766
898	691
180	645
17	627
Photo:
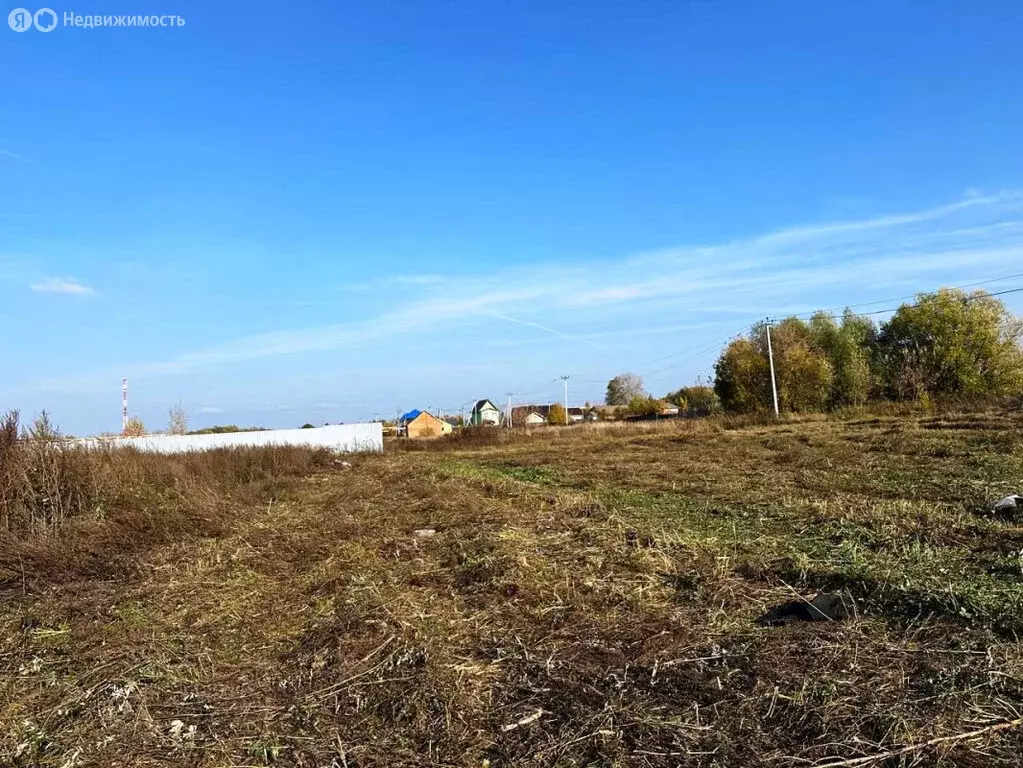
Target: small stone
1010	505
422	533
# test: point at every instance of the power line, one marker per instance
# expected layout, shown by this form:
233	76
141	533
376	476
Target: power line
915	304
701	349
912	296
666	357
542	387
831	312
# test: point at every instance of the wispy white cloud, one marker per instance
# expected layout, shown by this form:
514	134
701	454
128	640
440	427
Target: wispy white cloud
66	285
548	329
859	227
605	295
428	313
326	406
209	409
784	270
16	156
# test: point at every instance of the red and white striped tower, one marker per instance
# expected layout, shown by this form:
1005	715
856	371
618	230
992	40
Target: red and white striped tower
124	405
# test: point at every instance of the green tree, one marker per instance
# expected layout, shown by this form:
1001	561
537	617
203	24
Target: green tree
803	373
741	378
952	343
947	343
848	347
678	397
644	406
557	414
804	378
697	400
622	388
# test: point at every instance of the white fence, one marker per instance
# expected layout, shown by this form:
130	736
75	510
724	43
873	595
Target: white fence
341	437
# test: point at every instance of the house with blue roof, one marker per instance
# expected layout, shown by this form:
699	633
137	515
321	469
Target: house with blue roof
420	425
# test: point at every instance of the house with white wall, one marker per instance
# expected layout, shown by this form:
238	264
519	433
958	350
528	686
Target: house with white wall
484	413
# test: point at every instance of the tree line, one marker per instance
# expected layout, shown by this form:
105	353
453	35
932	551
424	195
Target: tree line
626	390
946	344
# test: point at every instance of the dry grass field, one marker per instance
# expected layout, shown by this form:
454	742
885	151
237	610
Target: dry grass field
578	597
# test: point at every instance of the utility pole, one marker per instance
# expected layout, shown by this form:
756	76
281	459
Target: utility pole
510	410
770	358
568	419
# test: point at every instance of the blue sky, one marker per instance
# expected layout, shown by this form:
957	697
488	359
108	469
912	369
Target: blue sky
325	212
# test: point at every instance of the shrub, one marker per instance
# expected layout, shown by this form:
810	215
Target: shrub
222	429
557	415
697	400
952	343
72	510
43	479
134	427
742	378
644	407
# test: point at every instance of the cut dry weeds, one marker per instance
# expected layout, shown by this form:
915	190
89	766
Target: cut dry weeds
587	597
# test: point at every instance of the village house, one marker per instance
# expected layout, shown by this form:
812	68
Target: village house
582	414
535	415
612	412
529	415
484	413
420	425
